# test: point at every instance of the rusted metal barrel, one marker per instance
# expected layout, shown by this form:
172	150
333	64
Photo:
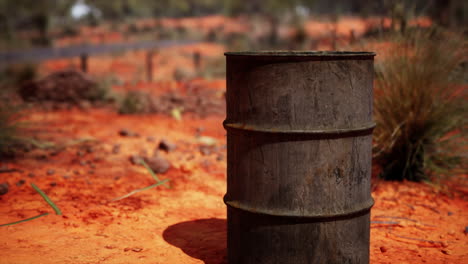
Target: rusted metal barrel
299	131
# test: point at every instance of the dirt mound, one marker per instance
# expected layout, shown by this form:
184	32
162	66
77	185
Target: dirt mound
69	86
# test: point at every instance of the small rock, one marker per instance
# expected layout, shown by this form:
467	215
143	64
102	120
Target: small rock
4	188
31	175
127	133
66	176
383	249
92	165
116	149
449	213
83	162
50	172
158	164
205	150
466	230
208	141
166	146
110	246
53	184
151	139
20	182
76	172
220	157
135	249
55	153
80	153
445	251
135	159
89	149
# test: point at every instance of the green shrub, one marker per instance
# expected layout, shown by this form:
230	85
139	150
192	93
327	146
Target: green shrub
420	110
134	102
102	93
11	130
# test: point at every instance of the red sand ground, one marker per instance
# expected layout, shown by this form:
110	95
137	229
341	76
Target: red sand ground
185	223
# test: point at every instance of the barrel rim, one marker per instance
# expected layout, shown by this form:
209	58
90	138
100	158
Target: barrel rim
299	53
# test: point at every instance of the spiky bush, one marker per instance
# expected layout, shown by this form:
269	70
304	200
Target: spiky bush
420	109
134	102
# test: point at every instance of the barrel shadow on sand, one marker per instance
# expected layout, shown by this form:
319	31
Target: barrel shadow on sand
204	239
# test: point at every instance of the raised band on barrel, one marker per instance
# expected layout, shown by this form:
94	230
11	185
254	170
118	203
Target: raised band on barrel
365	129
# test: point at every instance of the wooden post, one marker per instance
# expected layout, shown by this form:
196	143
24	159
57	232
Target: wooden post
149	65
84	62
352	36
197	60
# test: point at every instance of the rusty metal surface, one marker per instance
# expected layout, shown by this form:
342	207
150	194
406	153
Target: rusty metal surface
299	140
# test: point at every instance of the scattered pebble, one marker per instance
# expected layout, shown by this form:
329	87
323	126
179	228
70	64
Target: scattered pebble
4	188
151	139
383	249
20	182
53	184
92	165
220	157
66	176
80	153
89	149
135	159
158	164
205	150
166	146
466	230
116	149
449	213
83	162
31	175
208	141
56	152
50	172
127	133
445	251
109	246
135	249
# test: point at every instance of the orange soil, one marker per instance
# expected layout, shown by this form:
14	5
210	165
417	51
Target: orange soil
185	223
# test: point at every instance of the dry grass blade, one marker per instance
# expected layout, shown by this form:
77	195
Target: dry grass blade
25	220
140	190
47	199
155	177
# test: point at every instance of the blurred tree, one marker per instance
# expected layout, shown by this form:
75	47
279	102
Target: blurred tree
27	15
